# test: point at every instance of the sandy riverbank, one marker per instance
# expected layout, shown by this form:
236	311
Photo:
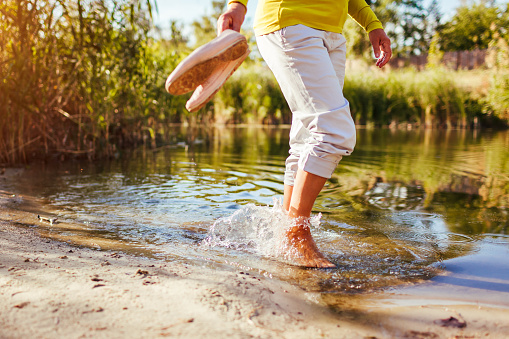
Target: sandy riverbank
51	289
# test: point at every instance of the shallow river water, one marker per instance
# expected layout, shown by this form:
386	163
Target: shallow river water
397	208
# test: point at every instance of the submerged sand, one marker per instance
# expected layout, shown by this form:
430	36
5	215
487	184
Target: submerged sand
52	289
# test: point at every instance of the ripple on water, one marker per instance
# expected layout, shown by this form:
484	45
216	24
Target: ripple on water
458	238
495	238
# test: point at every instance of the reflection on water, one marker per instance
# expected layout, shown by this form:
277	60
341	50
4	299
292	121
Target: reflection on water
402	203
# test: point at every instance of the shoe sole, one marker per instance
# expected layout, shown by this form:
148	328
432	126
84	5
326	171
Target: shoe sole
190	79
213	83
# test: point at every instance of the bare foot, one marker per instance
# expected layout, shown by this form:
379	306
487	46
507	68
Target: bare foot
303	248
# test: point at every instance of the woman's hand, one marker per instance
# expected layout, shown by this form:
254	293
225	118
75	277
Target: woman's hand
381	46
232	18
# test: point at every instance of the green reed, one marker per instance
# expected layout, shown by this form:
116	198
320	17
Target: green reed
252	95
435	98
79	78
425	99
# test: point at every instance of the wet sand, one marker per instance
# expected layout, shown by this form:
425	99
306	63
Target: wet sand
53	289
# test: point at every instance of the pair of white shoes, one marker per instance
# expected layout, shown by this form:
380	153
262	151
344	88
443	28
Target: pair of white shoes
207	68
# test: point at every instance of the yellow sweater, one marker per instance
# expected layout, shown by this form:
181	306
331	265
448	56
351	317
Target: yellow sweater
327	15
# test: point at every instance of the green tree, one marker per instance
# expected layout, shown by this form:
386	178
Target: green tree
411	29
473	26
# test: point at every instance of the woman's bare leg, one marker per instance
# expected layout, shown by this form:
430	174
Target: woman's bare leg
298	201
287	198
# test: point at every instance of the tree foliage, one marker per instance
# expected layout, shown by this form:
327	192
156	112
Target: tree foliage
473	26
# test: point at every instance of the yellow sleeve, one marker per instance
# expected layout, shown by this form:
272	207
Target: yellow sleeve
244	2
360	11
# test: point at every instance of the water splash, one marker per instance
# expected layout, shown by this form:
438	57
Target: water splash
260	230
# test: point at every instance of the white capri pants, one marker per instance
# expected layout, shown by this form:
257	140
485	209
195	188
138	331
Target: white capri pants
309	65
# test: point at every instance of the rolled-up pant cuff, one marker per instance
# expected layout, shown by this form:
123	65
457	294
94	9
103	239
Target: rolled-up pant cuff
319	166
315	165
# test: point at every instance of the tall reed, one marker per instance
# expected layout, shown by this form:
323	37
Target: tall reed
428	99
79	77
252	95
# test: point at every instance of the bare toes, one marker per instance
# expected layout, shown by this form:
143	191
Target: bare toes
324	263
